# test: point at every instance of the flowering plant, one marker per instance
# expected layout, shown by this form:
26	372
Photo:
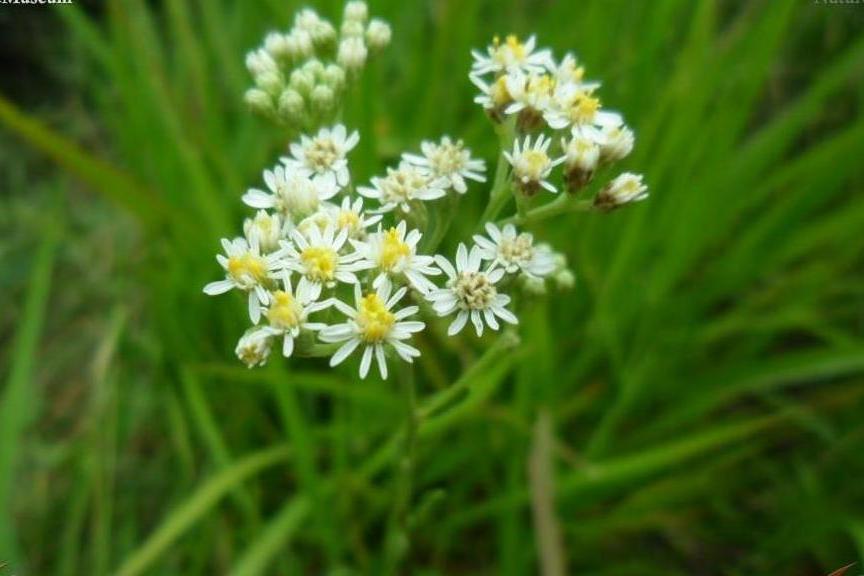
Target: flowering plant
331	267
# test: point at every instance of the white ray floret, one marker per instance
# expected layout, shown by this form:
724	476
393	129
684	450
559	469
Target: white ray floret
471	293
532	164
316	256
374	325
293	193
515	252
449	161
512	54
289	310
402	186
393	254
530	92
575	105
324	156
247	270
267	228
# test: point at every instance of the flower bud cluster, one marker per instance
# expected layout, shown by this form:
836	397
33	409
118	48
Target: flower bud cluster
300	76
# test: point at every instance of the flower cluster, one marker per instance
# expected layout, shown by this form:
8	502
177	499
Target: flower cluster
330	268
301	75
526	88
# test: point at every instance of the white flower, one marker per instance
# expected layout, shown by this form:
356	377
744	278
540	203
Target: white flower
531	93
253	349
289	311
624	189
576	105
532	164
393	253
403	185
246	269
292	193
493	97
471	293
374	324
617	143
569	72
267	228
349	216
352	53
450	161
515	252
323	156
512	54
582	156
316	256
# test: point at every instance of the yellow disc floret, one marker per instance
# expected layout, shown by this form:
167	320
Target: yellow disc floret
393	249
320	263
247	268
284	312
348	219
584	108
374	321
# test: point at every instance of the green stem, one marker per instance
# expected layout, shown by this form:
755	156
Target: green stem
500	192
562	205
399	539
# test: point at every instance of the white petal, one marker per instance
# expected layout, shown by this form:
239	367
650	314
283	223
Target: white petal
366	361
382	362
344	351
218	287
458	324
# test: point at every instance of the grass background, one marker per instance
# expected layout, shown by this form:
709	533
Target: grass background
694	405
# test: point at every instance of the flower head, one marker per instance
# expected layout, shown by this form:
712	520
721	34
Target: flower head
515	252
393	254
324	156
374	324
288	311
582	156
449	161
247	270
292	192
616	143
316	256
624	189
576	105
532	164
403	186
267	228
470	293
511	54
254	346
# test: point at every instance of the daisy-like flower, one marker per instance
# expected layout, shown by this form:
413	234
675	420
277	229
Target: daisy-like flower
289	310
293	193
494	97
449	161
512	54
402	186
624	189
247	270
254	346
349	216
316	257
617	142
516	252
576	105
374	324
267	228
393	253
324	156
582	156
532	97
532	164
471	293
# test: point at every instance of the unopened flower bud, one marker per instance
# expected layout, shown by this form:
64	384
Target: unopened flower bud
352	29
356	10
303	43
253	349
314	68
278	47
302	81
565	279
265	228
378	35
260	62
624	189
533	285
306	19
352	54
617	144
582	154
271	82
334	76
291	106
323	99
259	101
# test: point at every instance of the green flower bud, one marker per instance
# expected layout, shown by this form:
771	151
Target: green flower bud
292	108
302	81
259	101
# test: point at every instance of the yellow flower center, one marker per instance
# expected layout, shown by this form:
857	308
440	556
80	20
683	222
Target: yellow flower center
348	219
534	163
392	249
584	108
499	93
373	319
542	85
517	250
512	49
247	267
322	153
283	312
320	262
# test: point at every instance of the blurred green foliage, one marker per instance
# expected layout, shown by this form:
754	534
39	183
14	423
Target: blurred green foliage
702	388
